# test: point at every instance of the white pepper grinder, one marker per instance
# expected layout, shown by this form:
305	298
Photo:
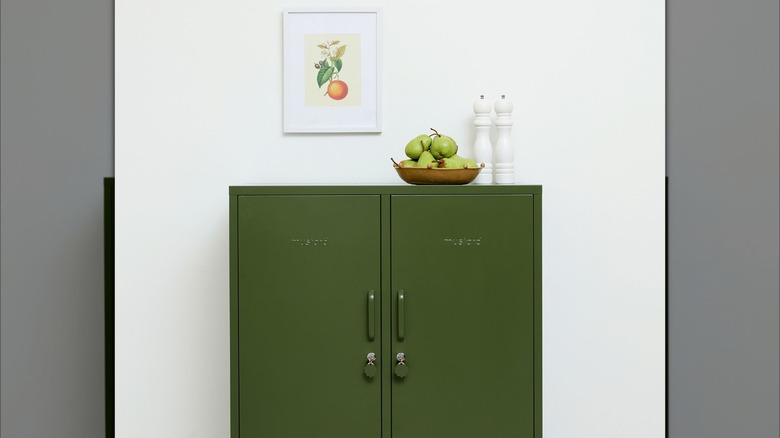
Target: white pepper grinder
483	151
504	152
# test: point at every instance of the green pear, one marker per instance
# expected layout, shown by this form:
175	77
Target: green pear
471	163
453	162
426	158
407	163
443	146
417	146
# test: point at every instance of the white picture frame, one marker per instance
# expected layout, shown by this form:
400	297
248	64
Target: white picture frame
337	92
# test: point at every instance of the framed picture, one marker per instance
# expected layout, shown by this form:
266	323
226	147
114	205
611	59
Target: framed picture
332	80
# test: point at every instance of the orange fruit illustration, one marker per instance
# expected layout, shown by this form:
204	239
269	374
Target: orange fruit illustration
337	90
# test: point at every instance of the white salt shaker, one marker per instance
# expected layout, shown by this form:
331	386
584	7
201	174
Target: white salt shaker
504	152
483	151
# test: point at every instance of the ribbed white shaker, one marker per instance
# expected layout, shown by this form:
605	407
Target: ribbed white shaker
483	151
504	154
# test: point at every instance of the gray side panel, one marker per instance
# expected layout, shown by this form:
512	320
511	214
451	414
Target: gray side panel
57	146
723	218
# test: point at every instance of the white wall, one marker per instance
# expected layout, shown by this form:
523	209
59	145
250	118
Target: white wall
198	108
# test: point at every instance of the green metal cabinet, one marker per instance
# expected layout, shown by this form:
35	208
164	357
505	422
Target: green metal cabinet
450	276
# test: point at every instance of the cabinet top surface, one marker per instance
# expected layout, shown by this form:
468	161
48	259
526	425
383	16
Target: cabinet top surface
487	189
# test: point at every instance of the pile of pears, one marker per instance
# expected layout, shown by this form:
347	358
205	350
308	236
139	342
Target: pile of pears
435	151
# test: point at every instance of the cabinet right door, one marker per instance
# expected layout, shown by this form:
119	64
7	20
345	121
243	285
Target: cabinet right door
464	267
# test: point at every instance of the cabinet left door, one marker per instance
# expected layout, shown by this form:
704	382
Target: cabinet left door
307	269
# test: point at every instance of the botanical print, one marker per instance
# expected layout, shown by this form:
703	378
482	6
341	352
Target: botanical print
328	69
332	70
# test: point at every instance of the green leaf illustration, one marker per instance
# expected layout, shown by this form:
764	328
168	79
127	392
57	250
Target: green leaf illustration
337	63
340	52
324	63
324	75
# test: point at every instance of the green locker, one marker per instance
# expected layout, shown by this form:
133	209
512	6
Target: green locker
385	311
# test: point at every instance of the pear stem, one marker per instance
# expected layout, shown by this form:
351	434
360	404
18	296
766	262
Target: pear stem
436	133
396	164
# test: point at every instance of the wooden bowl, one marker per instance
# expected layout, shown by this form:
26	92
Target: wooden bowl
420	175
